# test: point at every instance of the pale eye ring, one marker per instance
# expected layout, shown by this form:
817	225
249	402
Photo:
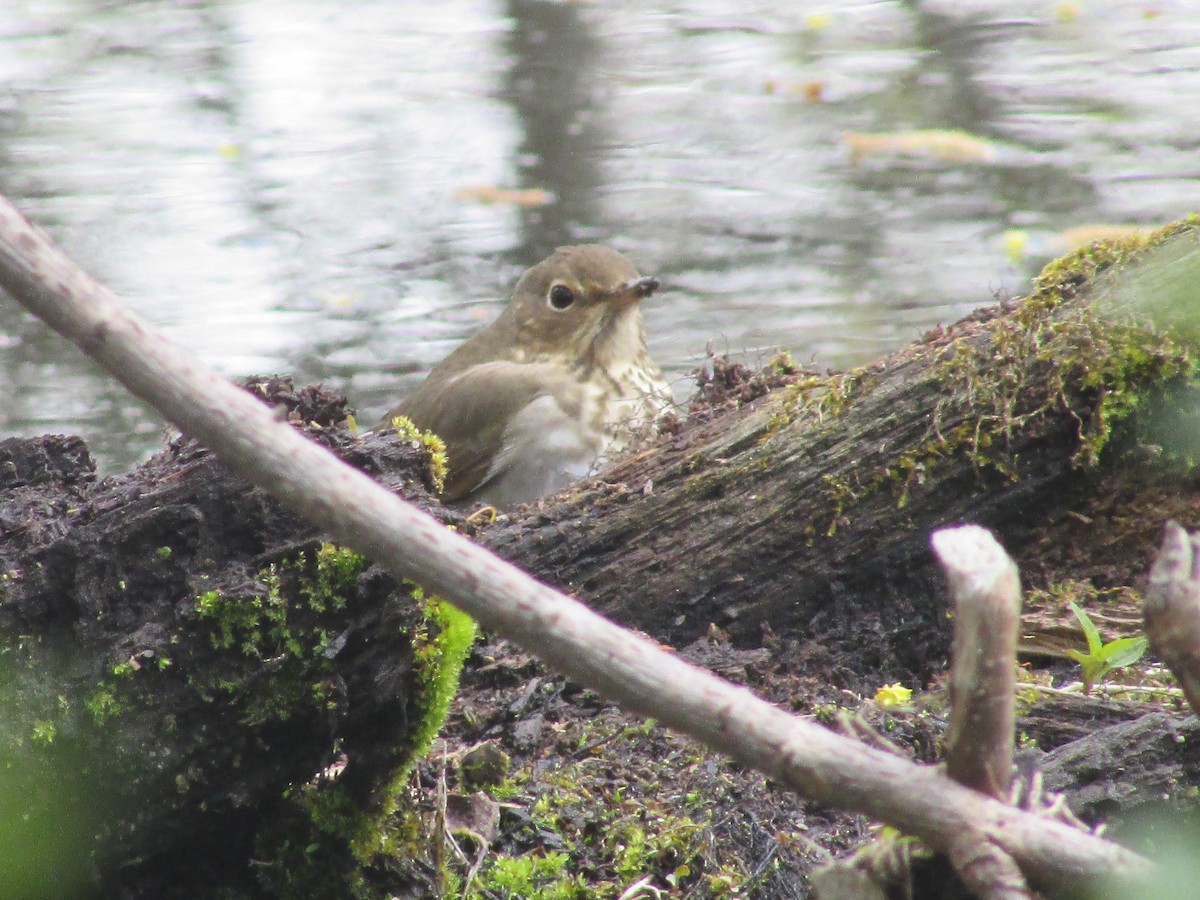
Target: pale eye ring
560	297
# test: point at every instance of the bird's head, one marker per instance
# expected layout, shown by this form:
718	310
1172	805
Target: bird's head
582	302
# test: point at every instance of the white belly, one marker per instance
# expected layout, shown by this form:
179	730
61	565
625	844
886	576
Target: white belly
545	448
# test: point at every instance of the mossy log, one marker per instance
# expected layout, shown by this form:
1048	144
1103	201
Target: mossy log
807	512
199	691
221	692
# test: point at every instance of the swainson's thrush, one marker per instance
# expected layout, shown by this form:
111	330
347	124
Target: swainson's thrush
558	383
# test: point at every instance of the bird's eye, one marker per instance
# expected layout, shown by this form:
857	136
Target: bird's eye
561	296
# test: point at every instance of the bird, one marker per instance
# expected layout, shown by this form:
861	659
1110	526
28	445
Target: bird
557	385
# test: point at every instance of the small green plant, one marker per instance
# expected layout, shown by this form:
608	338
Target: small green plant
532	877
1102	658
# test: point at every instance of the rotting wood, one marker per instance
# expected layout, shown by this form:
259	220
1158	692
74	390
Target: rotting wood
987	602
808	510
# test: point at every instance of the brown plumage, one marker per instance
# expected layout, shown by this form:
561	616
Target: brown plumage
560	381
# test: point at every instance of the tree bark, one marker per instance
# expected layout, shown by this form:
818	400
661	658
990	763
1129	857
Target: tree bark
807	511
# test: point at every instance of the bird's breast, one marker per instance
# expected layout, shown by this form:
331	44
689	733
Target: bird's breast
579	421
626	409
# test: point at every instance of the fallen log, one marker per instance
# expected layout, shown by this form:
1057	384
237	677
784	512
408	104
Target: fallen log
807	512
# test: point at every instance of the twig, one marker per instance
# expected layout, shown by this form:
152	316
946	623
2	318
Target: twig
987	607
1172	608
1075	689
622	666
989	872
472	872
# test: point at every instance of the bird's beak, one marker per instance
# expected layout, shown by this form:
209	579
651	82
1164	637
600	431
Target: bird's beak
638	289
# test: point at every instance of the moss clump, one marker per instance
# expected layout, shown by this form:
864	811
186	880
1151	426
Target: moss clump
323	843
276	640
1098	367
537	876
334	844
442	648
442	643
289	618
43	733
820	399
103	704
329	836
1043	362
436	447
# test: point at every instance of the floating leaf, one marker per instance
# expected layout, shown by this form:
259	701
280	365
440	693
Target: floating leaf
932	143
528	197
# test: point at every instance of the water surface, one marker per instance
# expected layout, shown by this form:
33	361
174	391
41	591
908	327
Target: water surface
288	185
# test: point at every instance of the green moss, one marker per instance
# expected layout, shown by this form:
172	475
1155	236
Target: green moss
1061	277
340	846
326	840
1028	369
841	493
537	876
43	733
103	705
338	571
441	647
613	833
336	845
509	788
782	364
272	663
308	852
1100	363
826	713
118	691
441	650
289	619
258	623
232	616
125	669
820	399
436	447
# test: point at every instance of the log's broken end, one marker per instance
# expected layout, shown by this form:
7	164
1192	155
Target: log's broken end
986	589
973	560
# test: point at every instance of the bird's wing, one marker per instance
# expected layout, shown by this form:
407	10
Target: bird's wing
470	411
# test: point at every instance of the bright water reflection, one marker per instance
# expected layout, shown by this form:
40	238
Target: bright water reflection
277	182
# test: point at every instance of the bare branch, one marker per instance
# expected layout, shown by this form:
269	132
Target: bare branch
988	871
